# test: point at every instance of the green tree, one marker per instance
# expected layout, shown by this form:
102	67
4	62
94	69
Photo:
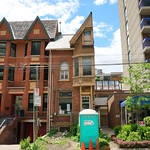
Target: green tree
139	82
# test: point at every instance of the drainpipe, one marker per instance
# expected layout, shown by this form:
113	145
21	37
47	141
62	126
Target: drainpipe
49	92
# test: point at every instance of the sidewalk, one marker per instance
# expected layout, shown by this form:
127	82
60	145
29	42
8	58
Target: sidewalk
10	147
107	130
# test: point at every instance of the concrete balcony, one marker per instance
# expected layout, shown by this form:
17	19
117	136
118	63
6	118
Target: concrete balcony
144	7
145	25
146	45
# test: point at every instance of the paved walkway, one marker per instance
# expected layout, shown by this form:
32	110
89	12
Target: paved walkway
10	147
107	130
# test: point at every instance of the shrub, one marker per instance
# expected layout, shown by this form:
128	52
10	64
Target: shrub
134	136
25	144
144	132
122	135
126	128
134	127
73	130
39	144
52	132
147	121
117	129
105	136
103	142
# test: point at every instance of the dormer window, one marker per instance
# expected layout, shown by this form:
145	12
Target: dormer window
87	37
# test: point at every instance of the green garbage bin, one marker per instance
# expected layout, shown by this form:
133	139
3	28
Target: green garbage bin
89	127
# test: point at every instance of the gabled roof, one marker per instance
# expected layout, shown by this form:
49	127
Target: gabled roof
20	29
86	24
61	42
31	27
7	25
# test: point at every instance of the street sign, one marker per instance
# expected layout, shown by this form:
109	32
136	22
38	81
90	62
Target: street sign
37	100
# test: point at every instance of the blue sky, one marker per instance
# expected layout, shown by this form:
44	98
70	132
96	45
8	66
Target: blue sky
71	14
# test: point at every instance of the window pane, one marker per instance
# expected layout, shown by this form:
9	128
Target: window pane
2	48
45	72
85	102
65	102
13	50
76	62
36	46
1	72
64	72
33	72
26	49
45	98
86	61
30	102
11	74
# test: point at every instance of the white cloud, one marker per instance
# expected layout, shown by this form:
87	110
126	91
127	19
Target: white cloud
110	55
29	9
101	28
102	2
72	26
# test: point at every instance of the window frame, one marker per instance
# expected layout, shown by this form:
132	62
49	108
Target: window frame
64	71
85	103
3	49
11	73
65	97
76	67
87	66
35	49
13	49
2	72
33	72
30	101
45	100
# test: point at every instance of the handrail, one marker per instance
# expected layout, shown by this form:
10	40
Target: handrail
2	123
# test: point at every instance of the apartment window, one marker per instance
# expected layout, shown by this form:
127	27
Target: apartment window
86	63
11	73
36	47
1	72
13	50
2	48
76	64
26	49
85	102
30	102
24	73
65	102
64	71
45	98
45	72
33	71
87	37
46	52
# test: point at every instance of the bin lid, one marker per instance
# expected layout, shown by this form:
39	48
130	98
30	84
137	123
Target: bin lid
88	111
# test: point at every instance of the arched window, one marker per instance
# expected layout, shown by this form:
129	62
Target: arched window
64	71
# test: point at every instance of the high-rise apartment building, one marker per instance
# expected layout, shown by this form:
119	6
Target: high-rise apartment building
135	31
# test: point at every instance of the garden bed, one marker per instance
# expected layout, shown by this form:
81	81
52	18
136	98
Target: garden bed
131	144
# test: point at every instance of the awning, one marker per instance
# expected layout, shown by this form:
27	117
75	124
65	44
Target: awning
143	102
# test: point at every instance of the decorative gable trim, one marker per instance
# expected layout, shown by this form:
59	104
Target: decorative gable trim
30	29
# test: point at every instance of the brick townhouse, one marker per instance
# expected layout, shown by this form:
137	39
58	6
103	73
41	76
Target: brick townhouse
33	54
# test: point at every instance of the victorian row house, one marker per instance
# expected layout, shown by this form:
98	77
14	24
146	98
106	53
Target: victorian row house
37	60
